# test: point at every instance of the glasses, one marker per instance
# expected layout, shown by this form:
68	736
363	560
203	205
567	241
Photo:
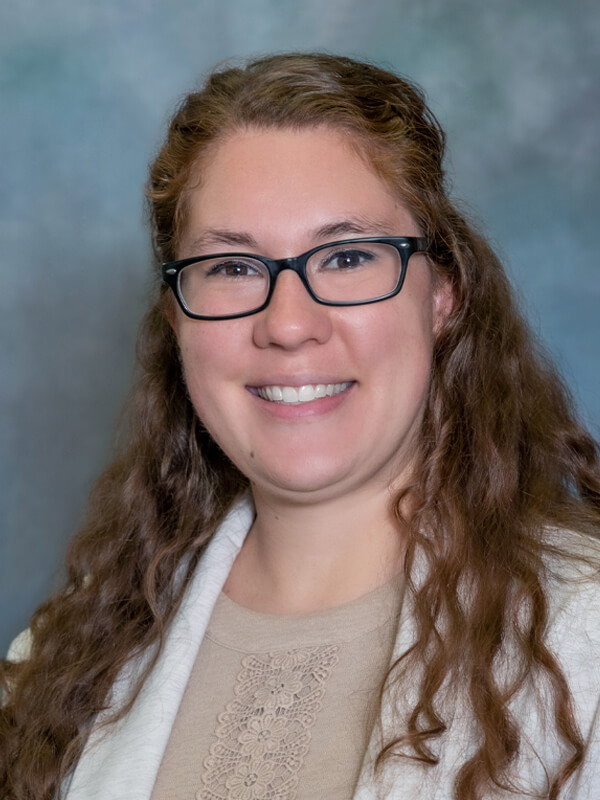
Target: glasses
352	272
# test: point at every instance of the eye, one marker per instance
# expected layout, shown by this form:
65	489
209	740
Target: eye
347	259
234	268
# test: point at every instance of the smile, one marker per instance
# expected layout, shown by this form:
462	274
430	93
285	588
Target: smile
295	395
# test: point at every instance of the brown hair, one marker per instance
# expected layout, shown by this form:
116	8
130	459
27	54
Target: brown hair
501	459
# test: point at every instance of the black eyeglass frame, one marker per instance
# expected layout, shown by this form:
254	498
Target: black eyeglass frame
405	245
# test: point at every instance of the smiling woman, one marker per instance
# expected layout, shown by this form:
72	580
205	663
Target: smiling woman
350	547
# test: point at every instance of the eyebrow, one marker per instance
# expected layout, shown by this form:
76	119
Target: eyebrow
362	226
215	236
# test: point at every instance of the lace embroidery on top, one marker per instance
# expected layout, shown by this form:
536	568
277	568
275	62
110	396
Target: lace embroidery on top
264	733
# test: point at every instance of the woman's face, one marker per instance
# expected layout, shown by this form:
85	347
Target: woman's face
278	193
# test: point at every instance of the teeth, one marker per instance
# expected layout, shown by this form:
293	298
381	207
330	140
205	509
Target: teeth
290	395
294	395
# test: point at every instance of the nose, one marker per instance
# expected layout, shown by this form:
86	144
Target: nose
292	317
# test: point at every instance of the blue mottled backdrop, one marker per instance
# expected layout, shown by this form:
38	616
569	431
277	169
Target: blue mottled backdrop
86	88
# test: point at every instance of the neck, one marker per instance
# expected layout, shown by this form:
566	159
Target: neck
300	557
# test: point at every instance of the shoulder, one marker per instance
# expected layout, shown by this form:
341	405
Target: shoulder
20	647
572	566
573	635
573	583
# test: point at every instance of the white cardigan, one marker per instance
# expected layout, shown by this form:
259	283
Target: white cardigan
121	762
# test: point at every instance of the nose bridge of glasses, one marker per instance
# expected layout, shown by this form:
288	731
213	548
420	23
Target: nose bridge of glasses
295	264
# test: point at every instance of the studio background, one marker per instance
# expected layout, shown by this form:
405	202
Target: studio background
85	92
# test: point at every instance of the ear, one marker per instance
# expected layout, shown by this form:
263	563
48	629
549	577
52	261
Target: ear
443	302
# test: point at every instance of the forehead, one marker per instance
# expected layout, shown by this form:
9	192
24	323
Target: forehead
301	183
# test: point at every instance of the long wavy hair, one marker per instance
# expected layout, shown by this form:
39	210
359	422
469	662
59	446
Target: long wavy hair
501	459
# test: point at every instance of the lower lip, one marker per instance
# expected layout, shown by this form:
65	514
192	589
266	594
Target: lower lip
314	408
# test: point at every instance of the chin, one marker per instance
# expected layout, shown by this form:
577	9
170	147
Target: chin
305	483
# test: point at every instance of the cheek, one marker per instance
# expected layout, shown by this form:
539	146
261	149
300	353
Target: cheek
402	334
403	346
208	350
199	369
212	359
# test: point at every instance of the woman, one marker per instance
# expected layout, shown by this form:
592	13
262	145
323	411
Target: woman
349	549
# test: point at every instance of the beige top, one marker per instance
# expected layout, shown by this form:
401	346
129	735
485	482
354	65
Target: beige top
281	707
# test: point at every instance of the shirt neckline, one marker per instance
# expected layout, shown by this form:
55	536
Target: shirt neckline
235	626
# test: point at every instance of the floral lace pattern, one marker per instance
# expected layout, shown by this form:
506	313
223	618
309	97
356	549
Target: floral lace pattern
264	733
